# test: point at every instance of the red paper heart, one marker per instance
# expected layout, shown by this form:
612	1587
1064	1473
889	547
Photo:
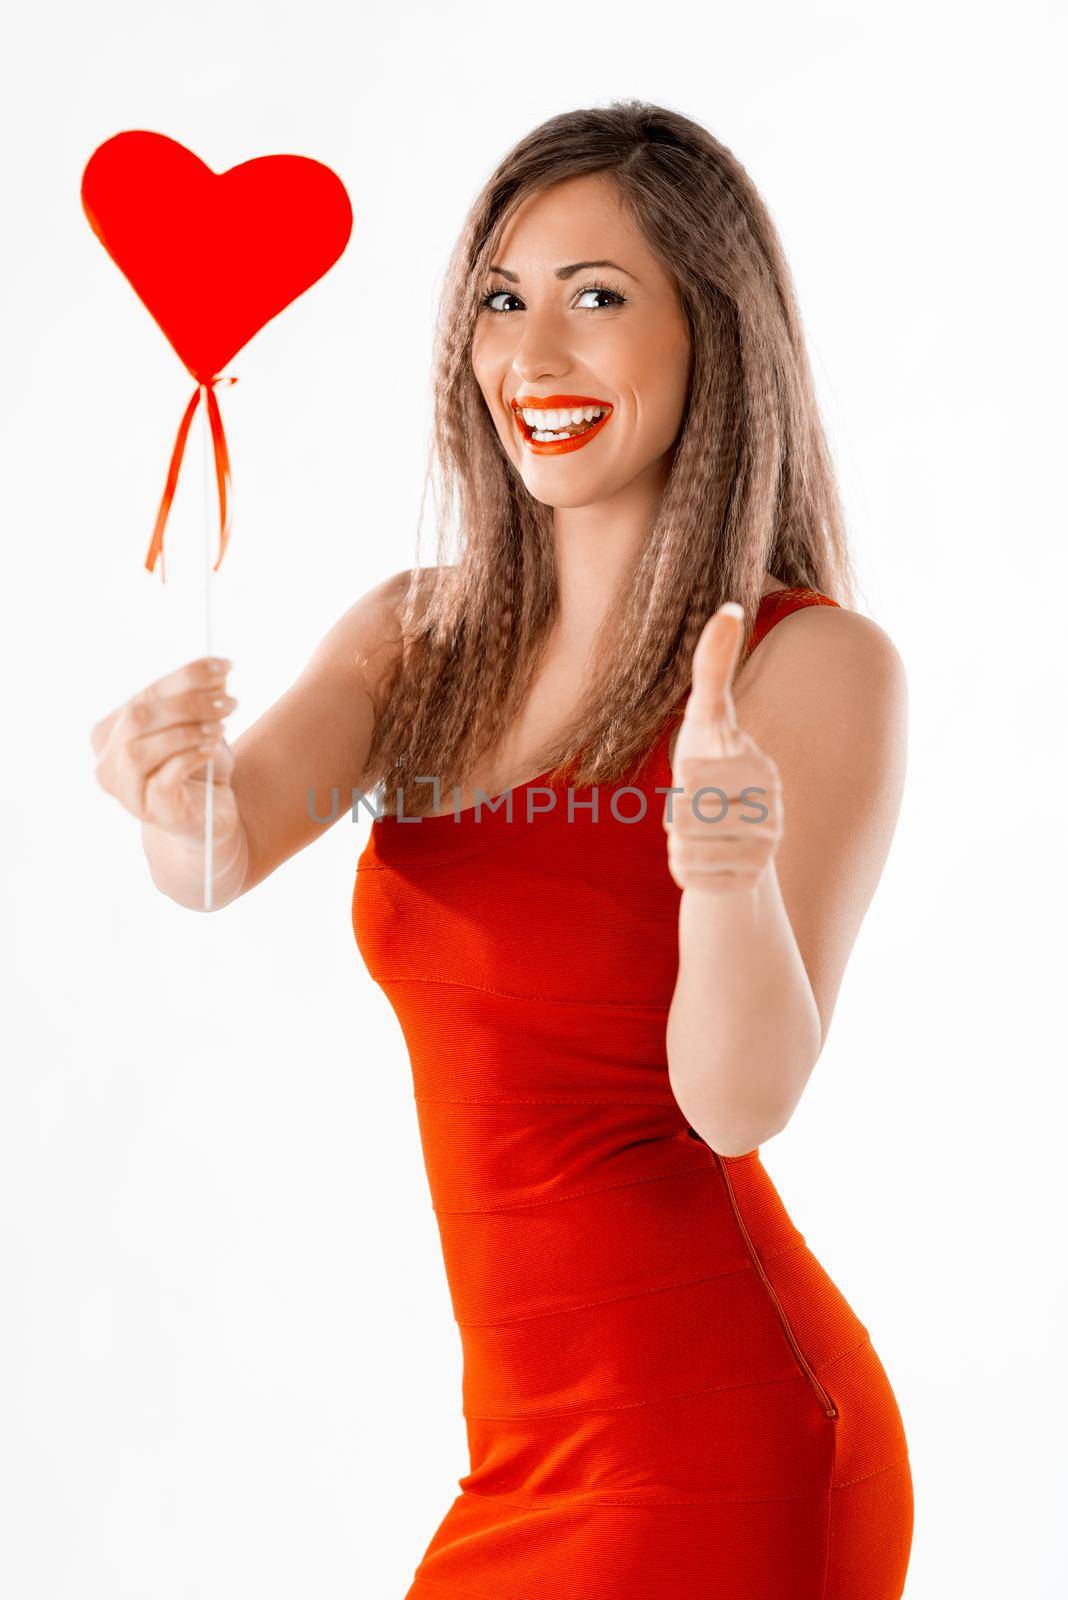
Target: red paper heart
213	255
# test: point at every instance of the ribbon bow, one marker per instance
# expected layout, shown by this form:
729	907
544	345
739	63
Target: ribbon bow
222	472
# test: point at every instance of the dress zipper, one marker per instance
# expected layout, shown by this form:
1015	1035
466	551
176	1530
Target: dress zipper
820	1392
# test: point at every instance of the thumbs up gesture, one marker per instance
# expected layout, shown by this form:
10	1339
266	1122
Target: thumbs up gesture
725	826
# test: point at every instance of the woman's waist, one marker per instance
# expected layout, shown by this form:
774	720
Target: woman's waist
686	1327
631	1221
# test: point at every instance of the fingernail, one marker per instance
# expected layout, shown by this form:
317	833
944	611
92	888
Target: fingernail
218	666
732	608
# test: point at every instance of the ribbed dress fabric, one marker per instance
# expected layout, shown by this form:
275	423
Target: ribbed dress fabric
666	1397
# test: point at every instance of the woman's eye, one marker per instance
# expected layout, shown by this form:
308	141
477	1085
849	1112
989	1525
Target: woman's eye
614	298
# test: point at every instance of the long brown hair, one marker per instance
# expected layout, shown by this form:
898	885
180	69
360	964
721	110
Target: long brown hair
751	487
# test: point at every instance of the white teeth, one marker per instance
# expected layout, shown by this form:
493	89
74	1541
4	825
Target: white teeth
550	420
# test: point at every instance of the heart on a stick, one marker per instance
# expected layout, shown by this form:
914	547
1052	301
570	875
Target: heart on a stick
213	255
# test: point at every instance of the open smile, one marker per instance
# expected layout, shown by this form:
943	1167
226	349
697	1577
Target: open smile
553	424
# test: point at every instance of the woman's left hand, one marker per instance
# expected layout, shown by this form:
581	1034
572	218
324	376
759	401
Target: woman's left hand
725	826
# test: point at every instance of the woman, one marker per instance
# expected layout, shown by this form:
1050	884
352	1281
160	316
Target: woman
614	990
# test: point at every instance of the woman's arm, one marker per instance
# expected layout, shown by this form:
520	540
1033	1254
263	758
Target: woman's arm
760	967
316	736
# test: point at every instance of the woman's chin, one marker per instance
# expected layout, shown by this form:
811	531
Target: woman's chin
564	497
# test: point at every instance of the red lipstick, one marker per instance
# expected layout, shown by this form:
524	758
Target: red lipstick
557	402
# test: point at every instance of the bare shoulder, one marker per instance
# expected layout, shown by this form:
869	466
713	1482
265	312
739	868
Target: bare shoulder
826	652
823	674
827	688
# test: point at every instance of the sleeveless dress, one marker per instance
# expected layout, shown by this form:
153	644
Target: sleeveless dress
665	1395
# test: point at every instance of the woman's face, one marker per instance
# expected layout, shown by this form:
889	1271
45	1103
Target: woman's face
546	331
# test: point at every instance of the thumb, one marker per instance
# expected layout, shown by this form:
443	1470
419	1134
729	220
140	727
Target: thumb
714	659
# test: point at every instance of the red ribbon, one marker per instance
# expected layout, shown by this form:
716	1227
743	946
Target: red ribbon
222	473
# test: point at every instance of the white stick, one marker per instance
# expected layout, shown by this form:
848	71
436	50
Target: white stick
209	790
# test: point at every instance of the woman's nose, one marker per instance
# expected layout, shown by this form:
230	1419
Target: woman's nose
542	348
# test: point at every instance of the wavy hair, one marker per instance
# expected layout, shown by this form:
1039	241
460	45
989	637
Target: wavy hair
751	487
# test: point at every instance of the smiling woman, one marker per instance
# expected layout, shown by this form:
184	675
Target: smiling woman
628	341
607	1010
616	258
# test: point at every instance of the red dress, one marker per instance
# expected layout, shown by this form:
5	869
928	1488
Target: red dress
666	1397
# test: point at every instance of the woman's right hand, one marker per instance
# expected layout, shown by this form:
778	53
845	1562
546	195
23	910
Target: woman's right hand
152	752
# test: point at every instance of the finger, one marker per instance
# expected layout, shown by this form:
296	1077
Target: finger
714	813
731	775
98	733
714	660
149	714
208	705
194	685
745	762
185	767
147	753
206	674
741	854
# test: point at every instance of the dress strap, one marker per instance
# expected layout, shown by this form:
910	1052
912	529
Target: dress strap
778	604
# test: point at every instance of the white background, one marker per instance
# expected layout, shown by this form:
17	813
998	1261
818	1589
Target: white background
228	1365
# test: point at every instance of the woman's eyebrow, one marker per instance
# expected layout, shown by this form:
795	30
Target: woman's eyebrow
566	272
